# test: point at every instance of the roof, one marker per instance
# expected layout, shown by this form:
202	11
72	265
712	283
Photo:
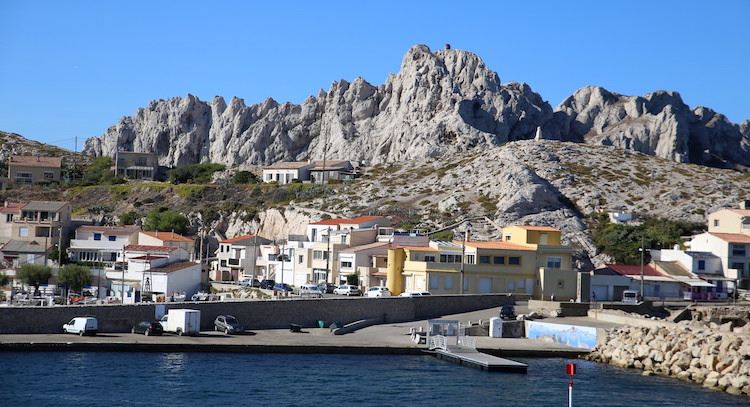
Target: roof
673	269
361	219
732	237
539	228
110	230
34	161
627	270
498	245
743	212
419	248
147	257
12	207
288	165
149	249
51	206
368	246
246	240
169	236
171	268
25	246
701	255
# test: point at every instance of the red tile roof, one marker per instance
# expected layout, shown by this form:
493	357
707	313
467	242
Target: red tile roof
361	219
169	237
237	239
627	270
732	237
419	248
13	207
150	249
33	161
171	268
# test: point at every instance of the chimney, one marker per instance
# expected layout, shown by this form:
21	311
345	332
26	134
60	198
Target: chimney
157	233
467	236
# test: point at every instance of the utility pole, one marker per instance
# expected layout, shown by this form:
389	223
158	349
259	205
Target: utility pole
328	256
463	255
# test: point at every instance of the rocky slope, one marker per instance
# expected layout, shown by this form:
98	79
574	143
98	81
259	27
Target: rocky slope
439	103
534	182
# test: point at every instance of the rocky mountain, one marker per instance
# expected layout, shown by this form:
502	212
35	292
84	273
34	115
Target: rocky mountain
439	103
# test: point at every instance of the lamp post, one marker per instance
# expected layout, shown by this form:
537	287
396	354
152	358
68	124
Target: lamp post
464	236
643	252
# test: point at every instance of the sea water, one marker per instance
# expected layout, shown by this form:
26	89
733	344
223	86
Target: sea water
216	379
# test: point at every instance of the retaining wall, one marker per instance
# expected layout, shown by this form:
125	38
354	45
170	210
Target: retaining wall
254	314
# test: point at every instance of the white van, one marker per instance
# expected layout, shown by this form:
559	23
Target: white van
630	297
82	326
310	290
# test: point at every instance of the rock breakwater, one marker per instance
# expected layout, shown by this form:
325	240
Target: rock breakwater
718	360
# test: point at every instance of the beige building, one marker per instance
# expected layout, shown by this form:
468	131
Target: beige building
530	262
35	220
27	170
133	165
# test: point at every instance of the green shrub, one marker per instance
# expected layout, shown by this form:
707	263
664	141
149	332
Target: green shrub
193	173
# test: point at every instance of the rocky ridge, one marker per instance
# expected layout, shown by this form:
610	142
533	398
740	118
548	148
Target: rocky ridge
439	103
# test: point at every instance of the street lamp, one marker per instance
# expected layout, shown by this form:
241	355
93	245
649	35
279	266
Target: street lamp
466	228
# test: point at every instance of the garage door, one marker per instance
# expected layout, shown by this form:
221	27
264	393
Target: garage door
601	292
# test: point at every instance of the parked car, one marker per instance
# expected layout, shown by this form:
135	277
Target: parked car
327	288
228	324
148	328
282	287
267	284
347	290
507	312
250	282
82	326
414	294
308	290
378	291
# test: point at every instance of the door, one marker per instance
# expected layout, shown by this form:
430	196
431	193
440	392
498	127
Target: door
601	293
485	285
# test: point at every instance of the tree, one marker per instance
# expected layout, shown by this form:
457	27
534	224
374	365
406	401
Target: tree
4	280
163	220
353	279
74	276
128	218
193	173
34	275
55	255
244	177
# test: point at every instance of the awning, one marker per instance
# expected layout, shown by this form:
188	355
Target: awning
699	284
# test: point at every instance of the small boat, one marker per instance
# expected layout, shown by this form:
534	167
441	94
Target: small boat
178	297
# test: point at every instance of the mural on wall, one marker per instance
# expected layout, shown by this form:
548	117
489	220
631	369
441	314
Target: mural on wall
571	335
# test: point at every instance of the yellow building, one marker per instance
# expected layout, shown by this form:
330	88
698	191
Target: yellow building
529	262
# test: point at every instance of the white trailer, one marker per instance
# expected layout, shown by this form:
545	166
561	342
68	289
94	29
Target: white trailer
182	321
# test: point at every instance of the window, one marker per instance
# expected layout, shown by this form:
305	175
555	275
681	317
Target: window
97	236
716	223
701	264
738	249
554	262
24	177
112	238
429	258
300	259
450	258
416	256
49	175
141	161
498	260
521	284
484	259
434	282
346	264
512	286
269	177
9	217
320	255
514	260
23	231
449	283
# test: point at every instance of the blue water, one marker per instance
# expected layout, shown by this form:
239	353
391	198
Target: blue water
212	379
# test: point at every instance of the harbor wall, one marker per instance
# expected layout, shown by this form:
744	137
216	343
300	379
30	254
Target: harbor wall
254	314
715	359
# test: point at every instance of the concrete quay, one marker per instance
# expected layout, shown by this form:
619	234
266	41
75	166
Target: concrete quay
387	338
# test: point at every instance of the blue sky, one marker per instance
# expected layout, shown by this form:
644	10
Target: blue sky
72	69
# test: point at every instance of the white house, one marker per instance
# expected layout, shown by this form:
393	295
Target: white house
285	172
137	261
732	250
610	280
101	243
167	239
236	258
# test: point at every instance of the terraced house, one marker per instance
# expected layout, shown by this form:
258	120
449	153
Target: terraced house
528	261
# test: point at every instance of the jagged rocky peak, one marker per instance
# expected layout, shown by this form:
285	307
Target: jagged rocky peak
438	103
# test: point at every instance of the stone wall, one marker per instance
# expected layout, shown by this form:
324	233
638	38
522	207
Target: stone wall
718	360
254	314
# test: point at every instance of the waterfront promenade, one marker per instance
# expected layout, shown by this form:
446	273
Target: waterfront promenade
388	338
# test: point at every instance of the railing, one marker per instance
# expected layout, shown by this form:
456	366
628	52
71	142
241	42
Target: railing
467	342
438	342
